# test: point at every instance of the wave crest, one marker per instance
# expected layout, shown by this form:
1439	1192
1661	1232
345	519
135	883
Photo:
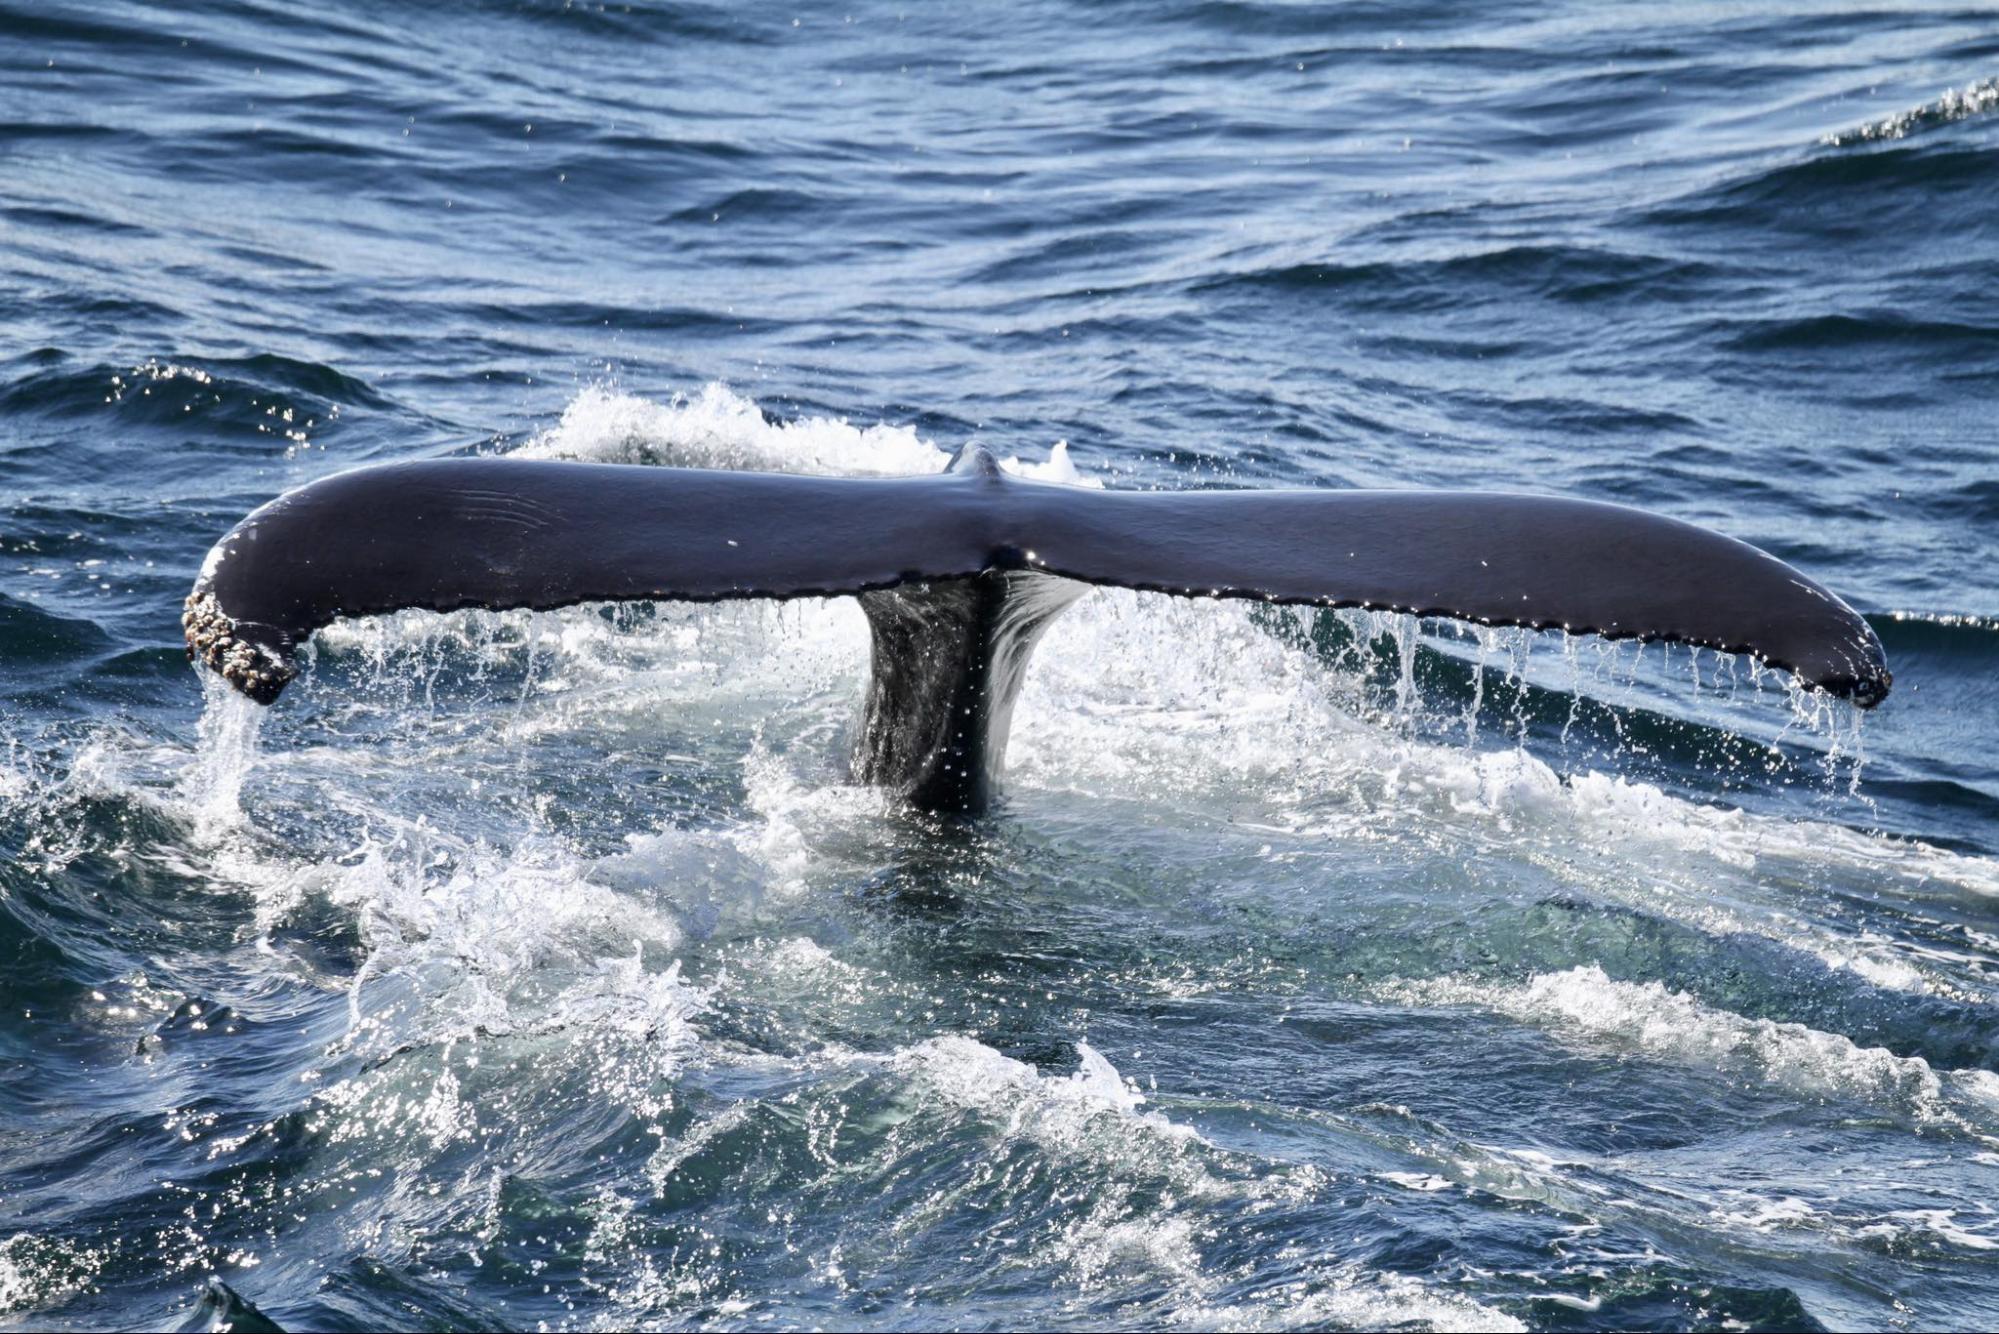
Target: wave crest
1954	105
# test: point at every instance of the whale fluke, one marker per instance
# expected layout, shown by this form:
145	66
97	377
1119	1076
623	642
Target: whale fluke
959	573
223	1310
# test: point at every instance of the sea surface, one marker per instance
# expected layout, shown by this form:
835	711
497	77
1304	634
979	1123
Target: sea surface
1318	971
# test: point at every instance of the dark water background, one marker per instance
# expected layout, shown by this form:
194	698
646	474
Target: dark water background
541	972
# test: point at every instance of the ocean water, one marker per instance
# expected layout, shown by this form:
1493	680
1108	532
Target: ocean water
1318	971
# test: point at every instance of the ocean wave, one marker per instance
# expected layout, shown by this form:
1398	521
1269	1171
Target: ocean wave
1881	332
1573	274
1653	1021
1968	632
1059	1114
1910	1233
1914	190
33	634
281	398
1952	106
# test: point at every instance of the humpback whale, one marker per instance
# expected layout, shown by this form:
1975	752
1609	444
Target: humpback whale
960	572
223	1310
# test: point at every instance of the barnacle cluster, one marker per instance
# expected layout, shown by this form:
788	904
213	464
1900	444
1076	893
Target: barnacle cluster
214	641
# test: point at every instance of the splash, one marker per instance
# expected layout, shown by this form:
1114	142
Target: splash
719	428
38	1273
213	787
1066	1115
1955	104
1244	684
1345	1298
659	954
1132	695
15	784
470	942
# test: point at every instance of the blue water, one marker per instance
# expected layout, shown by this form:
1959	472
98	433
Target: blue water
1319	970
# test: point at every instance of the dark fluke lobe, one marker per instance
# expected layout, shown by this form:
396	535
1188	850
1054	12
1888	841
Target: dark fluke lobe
223	1310
960	572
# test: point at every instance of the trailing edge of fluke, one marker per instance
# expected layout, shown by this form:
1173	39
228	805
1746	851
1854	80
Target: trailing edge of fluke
959	573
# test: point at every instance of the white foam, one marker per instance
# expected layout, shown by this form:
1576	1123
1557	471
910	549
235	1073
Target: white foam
15	784
1939	1224
1353	1299
1142	695
1096	1248
1964	1229
1954	104
1097	1119
1758	1214
37	1273
1056	1112
1649	1019
451	954
719	428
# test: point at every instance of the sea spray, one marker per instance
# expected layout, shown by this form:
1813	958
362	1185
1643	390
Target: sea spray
226	753
1953	105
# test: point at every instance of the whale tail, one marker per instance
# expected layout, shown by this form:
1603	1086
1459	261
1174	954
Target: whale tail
223	1310
960	572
